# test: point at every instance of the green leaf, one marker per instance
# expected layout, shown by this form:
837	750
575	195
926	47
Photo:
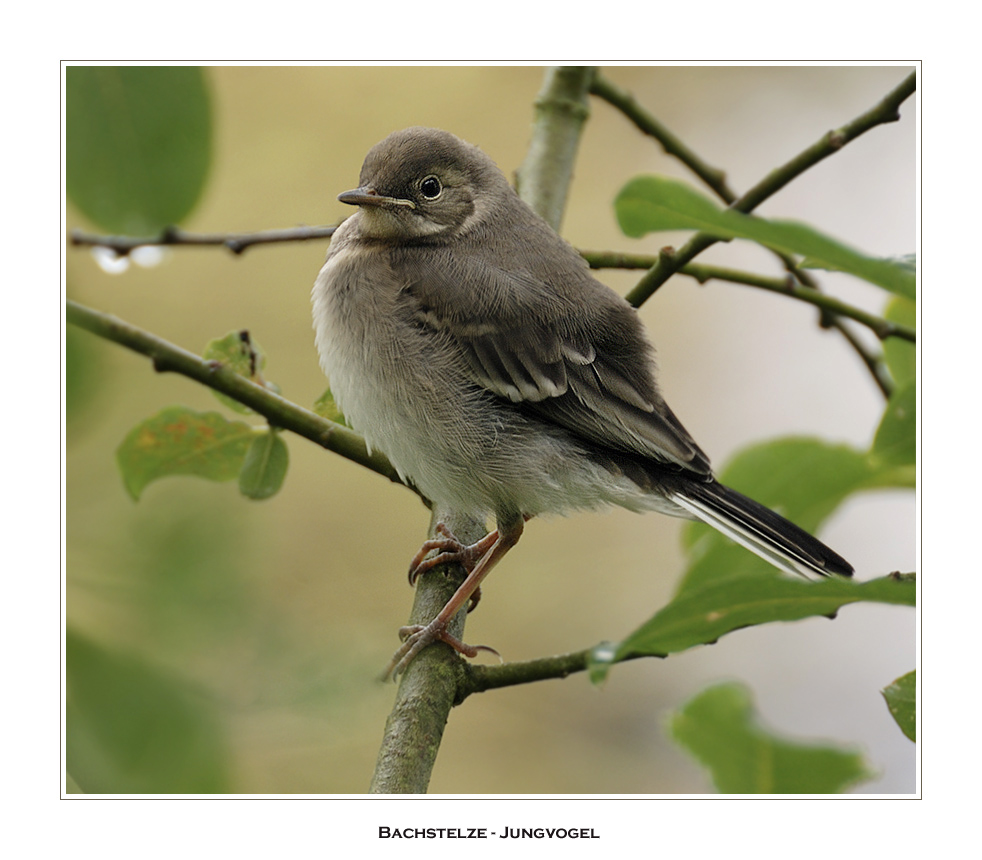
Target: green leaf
265	466
721	729
908	261
138	144
803	478
652	203
132	728
726	587
326	407
901	355
895	443
238	351
901	699
703	613
649	204
179	441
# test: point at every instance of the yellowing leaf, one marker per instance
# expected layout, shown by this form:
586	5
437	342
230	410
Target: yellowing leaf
179	441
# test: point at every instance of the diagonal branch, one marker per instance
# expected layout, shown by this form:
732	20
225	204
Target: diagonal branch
279	411
672	261
887	110
714	177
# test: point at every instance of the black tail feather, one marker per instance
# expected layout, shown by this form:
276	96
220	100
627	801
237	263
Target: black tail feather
759	529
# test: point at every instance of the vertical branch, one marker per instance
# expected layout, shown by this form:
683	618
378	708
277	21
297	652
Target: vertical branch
561	109
429	687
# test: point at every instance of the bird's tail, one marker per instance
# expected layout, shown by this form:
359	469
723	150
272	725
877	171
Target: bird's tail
759	529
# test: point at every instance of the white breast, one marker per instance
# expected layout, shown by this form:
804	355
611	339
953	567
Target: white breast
401	389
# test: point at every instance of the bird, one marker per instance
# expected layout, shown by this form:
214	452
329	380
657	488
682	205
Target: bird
470	343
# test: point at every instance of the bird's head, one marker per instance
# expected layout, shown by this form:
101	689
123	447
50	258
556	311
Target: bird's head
423	184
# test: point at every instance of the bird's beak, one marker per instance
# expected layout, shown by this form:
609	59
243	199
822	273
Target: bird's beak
366	196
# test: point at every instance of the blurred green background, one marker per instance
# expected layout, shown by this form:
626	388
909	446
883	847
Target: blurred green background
248	634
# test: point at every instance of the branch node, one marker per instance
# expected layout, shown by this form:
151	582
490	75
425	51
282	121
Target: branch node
572	108
884	330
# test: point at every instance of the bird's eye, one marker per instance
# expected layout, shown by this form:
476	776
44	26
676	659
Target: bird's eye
431	188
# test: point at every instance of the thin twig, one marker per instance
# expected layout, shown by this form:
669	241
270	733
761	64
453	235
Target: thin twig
829	305
645	122
479	678
881	327
235	242
873	360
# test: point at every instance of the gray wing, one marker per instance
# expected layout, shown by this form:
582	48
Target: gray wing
568	350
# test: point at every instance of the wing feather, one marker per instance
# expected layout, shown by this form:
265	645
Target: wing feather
561	345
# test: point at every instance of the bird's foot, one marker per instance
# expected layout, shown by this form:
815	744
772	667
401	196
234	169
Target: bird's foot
451	550
478	559
416	637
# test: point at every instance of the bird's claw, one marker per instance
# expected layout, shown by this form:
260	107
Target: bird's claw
450	550
416	637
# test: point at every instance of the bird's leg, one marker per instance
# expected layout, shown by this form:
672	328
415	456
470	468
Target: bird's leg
478	559
451	550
